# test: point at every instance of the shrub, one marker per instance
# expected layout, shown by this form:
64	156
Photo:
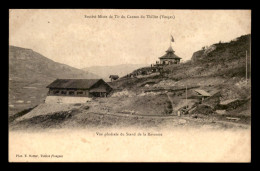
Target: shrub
86	107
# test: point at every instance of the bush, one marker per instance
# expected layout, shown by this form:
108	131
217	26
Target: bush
86	107
169	105
204	109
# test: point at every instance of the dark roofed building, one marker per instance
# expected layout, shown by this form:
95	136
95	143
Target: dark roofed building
79	87
169	57
202	93
113	77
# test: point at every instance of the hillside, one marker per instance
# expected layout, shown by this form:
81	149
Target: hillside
120	70
29	74
218	68
152	99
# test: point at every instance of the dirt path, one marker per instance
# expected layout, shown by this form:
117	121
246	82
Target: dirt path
170	117
174	117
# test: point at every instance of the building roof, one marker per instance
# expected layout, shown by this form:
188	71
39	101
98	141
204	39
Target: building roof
73	83
170	49
114	76
226	102
169	54
202	92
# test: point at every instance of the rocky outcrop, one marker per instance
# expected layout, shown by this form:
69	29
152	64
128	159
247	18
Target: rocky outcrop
197	55
221	52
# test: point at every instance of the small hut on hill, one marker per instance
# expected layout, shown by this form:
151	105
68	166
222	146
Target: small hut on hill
202	93
113	77
169	57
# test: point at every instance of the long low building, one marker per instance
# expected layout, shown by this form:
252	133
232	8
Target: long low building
79	88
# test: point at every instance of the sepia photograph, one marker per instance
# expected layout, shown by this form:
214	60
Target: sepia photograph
129	85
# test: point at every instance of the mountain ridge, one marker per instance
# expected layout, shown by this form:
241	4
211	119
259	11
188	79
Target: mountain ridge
30	73
120	70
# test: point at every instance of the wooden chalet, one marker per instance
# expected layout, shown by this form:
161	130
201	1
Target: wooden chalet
79	88
169	57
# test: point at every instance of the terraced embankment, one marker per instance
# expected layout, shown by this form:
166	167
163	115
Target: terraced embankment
90	115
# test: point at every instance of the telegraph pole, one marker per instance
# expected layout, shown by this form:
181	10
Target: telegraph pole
186	96
246	66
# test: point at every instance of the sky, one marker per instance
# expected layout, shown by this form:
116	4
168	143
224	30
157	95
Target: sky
71	37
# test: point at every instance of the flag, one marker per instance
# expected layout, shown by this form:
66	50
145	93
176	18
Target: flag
172	39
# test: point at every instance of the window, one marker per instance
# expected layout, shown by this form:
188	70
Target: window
56	92
63	92
80	92
71	92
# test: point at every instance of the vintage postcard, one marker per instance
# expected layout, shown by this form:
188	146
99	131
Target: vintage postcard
129	85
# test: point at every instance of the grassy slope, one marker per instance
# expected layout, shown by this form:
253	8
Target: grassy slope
222	70
84	116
